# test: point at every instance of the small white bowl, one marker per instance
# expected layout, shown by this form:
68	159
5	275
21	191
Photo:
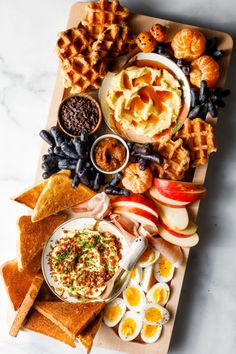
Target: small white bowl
104	137
75	224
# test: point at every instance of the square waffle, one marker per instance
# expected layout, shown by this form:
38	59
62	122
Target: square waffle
84	71
102	14
72	42
176	159
199	138
116	39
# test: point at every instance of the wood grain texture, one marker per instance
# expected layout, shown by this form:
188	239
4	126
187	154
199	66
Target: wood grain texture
106	337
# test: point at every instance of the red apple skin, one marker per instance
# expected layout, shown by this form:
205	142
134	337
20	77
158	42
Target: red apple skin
143	213
173	232
189	241
137	198
180	191
172	201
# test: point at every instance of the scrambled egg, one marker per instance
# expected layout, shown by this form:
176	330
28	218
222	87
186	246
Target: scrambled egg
145	100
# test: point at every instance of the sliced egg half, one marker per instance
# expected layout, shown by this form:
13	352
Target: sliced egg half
148	278
150	333
130	326
164	270
134	297
136	275
155	314
114	311
150	256
159	294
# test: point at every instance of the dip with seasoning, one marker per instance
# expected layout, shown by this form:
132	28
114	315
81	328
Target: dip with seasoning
84	260
109	154
79	113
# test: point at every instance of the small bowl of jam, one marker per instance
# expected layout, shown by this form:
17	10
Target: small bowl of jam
109	153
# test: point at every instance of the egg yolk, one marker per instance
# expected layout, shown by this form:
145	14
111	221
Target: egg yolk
128	327
149	330
159	295
148	255
165	267
133	273
113	313
153	314
133	296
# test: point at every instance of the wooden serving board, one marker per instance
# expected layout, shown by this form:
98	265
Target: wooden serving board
106	337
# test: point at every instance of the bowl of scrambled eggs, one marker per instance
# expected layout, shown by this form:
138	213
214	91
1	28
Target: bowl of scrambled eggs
148	100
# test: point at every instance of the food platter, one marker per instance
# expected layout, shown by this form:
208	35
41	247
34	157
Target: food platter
159	115
108	339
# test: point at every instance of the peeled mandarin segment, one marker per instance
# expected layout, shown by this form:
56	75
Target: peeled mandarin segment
188	44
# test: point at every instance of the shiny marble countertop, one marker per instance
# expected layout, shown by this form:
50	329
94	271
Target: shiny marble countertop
206	318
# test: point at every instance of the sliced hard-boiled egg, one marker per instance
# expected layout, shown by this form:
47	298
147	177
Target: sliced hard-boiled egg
155	314
150	333
130	326
159	294
163	270
150	256
136	275
114	311
148	278
134	297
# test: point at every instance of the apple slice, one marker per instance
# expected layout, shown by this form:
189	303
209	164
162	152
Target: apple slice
190	230
180	191
175	218
136	201
185	241
157	196
142	216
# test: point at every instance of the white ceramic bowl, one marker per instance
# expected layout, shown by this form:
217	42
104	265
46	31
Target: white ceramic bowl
108	83
74	224
104	137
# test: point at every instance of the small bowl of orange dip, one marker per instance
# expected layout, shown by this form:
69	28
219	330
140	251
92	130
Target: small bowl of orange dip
109	153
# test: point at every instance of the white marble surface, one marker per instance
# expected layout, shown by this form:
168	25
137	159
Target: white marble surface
206	320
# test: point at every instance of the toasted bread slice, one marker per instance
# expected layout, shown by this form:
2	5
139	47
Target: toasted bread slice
72	318
30	196
26	304
32	236
18	283
87	336
59	195
40	324
45	294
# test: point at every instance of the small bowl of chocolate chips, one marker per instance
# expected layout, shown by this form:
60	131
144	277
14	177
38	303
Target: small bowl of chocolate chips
79	113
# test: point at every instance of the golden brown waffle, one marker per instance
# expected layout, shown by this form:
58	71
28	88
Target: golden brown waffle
116	39
83	72
176	159
72	42
199	138
102	14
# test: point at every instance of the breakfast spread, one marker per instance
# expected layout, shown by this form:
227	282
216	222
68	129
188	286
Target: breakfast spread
136	183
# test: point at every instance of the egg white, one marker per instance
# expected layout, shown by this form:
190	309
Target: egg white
138	275
151	259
